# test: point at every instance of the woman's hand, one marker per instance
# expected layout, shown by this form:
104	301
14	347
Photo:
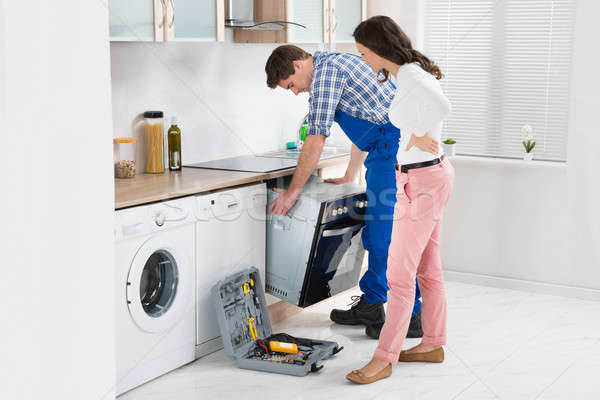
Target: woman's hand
343	179
425	143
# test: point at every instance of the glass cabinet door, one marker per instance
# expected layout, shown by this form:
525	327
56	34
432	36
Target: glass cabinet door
347	16
194	19
131	20
310	14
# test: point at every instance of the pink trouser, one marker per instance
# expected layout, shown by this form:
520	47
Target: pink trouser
415	250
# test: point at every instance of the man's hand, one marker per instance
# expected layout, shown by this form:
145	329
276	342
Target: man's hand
425	143
284	201
341	180
357	157
308	160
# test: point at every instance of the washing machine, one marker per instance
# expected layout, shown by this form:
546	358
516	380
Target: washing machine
155	282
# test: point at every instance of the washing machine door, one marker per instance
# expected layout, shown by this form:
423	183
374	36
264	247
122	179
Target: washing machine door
160	285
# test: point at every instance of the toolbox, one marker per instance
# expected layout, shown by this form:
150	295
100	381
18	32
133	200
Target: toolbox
246	331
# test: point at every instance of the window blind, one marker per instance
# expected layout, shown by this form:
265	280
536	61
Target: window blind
506	64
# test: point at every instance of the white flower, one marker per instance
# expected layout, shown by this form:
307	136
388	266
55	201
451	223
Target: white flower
526	131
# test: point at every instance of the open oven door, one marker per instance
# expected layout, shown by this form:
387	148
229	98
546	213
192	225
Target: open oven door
335	263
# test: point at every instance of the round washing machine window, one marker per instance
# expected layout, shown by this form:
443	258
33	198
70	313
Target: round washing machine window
158	283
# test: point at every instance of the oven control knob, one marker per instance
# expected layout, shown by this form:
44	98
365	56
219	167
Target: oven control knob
345	209
334	212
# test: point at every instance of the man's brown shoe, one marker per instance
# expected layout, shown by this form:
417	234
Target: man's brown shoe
434	356
358	377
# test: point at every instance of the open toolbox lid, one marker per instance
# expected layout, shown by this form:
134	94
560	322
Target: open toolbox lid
241	310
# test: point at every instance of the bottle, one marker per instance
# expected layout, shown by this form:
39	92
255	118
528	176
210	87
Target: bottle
302	132
174	138
153	121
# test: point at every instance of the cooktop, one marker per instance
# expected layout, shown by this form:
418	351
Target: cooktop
248	163
267	162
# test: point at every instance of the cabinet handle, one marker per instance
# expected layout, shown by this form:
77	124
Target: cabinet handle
164	13
335	19
341	231
172	14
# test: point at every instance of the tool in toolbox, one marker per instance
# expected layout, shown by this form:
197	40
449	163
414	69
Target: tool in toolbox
247	335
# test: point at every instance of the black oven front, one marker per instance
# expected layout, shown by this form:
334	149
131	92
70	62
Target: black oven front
337	253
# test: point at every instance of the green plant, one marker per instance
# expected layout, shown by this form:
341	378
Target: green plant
529	145
449	141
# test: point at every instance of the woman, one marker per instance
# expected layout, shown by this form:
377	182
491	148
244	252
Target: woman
424	182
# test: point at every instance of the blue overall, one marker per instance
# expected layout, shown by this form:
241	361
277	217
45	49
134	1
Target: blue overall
381	143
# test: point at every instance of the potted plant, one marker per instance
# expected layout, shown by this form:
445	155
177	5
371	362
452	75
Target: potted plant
528	142
449	146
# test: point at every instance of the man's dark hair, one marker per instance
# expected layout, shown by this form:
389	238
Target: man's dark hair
280	64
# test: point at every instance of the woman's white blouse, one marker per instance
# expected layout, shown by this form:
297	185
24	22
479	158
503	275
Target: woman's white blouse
419	106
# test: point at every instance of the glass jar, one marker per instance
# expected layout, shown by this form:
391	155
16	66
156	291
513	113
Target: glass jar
153	125
124	157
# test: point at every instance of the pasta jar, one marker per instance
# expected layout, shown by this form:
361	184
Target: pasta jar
153	124
124	157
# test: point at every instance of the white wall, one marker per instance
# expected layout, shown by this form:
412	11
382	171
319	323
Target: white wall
57	336
217	90
528	225
407	13
537	221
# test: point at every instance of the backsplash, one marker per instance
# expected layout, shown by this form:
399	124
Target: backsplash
217	91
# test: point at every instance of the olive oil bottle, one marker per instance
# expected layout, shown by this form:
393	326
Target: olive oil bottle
174	138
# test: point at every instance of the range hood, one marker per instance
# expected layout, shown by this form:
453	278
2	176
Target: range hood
239	14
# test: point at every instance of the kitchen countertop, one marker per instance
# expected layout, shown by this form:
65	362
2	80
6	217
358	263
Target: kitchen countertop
149	188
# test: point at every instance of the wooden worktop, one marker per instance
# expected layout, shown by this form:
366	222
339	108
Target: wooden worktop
149	188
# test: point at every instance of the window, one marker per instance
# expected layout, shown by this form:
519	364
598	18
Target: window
506	64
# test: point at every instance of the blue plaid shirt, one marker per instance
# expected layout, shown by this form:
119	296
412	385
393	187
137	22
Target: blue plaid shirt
344	82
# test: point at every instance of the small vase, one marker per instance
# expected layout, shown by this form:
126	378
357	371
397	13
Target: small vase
528	156
449	149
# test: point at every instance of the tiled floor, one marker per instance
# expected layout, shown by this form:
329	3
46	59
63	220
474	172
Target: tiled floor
502	344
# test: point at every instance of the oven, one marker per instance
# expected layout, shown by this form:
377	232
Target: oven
316	250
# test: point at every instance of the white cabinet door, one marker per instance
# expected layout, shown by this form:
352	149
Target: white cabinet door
165	20
347	15
225	244
135	20
194	20
313	15
326	21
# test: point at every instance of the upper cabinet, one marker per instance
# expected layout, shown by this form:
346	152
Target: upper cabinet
166	20
133	20
345	16
325	21
314	15
195	20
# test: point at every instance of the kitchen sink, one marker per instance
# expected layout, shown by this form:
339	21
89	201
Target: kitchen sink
328	152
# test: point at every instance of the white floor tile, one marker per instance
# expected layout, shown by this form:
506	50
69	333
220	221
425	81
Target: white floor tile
502	344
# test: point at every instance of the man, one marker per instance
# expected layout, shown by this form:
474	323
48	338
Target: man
343	89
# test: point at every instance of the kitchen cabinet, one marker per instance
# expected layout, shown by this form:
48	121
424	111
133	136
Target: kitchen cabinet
327	21
313	14
135	20
167	20
230	236
345	16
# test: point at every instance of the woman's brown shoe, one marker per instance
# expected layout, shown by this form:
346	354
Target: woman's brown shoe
434	356
358	377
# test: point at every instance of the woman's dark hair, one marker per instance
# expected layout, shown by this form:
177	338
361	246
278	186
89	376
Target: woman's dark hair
383	36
